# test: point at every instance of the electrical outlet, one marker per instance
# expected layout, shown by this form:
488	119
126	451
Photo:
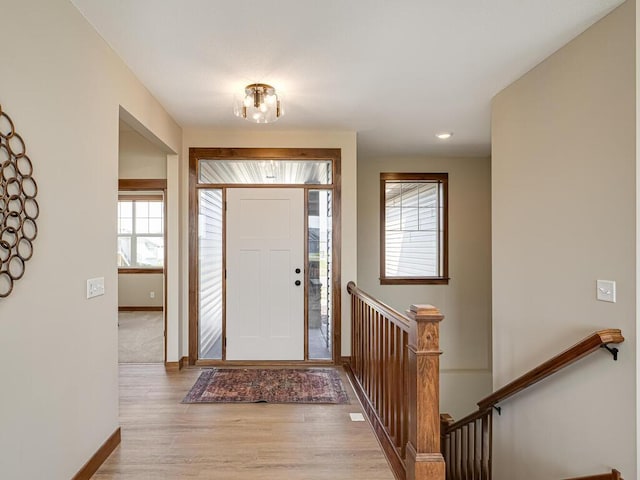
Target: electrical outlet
152	294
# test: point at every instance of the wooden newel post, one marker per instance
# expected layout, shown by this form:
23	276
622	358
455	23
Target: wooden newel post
424	459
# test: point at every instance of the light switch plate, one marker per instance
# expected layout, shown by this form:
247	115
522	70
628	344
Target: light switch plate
606	290
95	287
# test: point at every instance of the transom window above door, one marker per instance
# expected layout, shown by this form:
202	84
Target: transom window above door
258	172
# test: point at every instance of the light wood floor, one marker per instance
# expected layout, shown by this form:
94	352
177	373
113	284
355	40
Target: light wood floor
164	439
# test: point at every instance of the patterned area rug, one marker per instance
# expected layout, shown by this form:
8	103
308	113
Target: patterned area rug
268	385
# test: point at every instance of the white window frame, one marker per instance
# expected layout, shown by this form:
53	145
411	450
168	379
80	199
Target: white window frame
134	198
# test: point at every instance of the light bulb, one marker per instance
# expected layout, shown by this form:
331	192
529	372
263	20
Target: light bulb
444	135
260	104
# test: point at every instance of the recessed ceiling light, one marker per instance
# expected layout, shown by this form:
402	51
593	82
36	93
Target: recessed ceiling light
444	135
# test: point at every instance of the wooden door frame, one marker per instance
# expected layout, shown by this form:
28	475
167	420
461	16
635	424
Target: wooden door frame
309	154
153	185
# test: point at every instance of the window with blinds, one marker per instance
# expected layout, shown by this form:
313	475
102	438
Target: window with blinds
210	273
413	222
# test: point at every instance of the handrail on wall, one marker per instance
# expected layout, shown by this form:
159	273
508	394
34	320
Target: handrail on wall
590	344
614	475
467	443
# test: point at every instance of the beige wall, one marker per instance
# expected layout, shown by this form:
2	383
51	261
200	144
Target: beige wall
466	301
63	86
134	290
637	58
564	194
264	137
139	158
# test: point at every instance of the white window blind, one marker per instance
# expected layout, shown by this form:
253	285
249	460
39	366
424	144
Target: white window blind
413	234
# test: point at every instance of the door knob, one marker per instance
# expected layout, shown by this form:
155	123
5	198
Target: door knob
297	270
297	283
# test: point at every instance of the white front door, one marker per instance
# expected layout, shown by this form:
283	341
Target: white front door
265	274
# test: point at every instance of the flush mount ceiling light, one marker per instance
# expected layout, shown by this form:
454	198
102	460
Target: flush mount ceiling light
444	135
260	104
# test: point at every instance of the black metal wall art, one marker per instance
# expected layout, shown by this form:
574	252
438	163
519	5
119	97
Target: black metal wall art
18	206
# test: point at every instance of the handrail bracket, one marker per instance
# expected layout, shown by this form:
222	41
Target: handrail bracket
498	409
612	350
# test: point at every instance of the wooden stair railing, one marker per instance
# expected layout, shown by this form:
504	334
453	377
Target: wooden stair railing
614	475
466	443
394	369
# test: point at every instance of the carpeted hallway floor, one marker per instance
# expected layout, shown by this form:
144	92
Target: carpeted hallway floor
140	337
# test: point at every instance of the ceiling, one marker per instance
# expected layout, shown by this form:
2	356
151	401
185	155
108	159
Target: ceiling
397	72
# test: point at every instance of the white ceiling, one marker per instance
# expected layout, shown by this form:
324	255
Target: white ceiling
395	72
